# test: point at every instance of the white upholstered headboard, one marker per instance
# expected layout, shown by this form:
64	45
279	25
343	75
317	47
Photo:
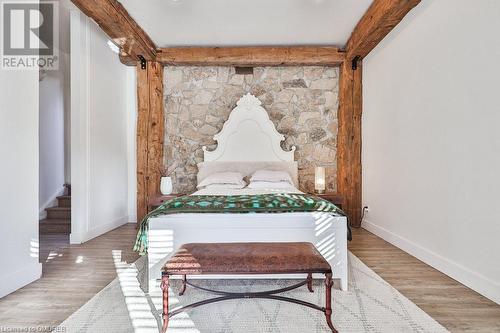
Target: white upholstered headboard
249	135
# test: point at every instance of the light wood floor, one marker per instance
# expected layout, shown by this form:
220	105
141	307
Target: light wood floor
455	306
74	274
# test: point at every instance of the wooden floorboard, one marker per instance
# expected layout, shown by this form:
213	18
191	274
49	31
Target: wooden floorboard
74	274
455	306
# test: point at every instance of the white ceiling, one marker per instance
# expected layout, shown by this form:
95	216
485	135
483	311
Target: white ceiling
249	22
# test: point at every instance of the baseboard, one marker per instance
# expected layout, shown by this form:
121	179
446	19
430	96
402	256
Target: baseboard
42	214
477	282
76	238
18	279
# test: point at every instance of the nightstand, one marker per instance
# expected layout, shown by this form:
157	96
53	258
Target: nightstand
333	197
156	201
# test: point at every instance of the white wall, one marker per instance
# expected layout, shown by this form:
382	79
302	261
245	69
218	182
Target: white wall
131	144
431	139
65	7
52	145
18	179
99	137
55	120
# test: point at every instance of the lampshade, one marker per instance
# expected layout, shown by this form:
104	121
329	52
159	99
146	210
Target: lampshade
319	179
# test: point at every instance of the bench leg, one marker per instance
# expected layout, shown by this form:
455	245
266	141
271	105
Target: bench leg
164	287
183	290
328	308
310	282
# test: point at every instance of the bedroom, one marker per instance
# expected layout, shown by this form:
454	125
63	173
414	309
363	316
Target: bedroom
366	129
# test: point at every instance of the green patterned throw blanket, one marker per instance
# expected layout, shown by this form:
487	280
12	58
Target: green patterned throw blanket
261	203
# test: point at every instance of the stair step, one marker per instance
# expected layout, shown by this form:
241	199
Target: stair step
55	226
64	201
56	221
59	213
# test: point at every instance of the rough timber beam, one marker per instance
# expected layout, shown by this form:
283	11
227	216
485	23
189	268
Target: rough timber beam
349	141
127	60
380	18
150	134
251	56
116	22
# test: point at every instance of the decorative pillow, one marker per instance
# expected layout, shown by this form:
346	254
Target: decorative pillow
227	178
271	176
270	185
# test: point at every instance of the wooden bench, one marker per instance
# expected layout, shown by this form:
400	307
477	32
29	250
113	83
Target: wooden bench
245	259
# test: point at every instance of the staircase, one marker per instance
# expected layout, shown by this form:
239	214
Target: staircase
58	219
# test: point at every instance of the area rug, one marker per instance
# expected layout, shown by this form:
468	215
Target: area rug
370	305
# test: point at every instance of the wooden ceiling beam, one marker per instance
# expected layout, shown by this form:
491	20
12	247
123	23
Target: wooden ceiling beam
127	60
380	18
116	22
251	56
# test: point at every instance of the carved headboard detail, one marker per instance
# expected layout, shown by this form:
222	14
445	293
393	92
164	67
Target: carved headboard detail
249	135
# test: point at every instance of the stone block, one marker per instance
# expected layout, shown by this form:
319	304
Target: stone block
296	83
203	97
324	84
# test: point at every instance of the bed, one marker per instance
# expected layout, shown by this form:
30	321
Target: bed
248	142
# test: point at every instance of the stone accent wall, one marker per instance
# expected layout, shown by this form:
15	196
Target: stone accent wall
302	102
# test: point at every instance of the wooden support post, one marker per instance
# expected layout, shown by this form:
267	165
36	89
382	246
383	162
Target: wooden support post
150	133
349	140
142	140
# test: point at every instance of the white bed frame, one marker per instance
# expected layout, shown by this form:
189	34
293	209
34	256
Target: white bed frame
250	136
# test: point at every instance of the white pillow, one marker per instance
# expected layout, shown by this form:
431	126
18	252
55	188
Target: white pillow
271	176
269	185
227	178
225	186
247	169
